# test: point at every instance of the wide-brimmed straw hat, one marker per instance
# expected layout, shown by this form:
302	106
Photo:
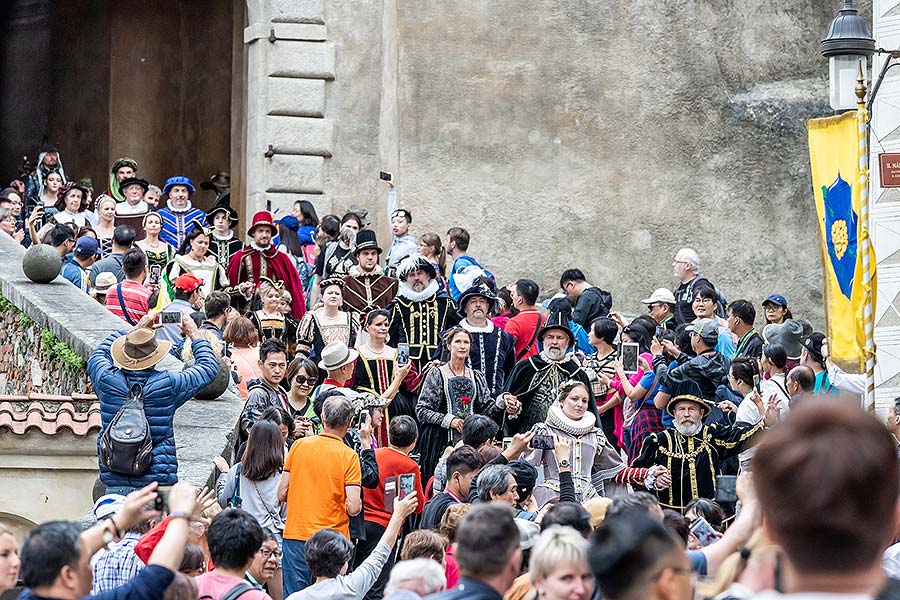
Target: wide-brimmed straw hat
139	349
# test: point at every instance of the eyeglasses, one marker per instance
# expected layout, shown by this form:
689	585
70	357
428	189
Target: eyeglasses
699	300
300	380
270	553
650	307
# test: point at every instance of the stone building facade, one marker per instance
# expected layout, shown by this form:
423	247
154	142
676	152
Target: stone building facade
595	135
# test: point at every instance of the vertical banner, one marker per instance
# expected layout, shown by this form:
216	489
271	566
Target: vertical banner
840	181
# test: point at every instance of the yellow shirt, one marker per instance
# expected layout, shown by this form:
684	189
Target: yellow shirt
320	467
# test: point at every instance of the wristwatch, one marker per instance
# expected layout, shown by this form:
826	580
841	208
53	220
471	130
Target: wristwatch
565	464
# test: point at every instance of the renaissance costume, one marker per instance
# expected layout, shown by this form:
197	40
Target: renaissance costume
314	333
373	373
694	460
597	467
493	351
365	292
418	318
444	397
252	263
280	327
178	222
223	248
210	273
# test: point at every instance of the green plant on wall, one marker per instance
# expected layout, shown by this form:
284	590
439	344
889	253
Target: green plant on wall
58	350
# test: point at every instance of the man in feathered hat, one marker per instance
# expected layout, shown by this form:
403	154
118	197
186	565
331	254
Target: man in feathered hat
534	382
259	258
421	310
365	287
493	350
179	216
693	452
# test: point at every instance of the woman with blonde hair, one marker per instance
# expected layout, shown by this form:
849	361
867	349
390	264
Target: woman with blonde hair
105	223
9	560
158	252
558	567
270	321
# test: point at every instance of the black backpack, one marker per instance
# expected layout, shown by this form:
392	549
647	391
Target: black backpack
126	446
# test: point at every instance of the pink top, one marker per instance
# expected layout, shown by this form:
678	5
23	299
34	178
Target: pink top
246	360
452	569
216	585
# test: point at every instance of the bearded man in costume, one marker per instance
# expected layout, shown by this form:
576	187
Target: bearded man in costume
421	310
493	352
534	382
693	452
260	259
365	288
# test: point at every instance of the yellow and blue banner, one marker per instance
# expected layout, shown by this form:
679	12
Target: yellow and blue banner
840	186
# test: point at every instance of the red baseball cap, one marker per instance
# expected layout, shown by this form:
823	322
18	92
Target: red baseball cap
188	282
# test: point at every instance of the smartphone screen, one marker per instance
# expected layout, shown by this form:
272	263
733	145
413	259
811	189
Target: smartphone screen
703	531
630	357
756	384
507	442
542	442
407	485
402	354
364	416
385	176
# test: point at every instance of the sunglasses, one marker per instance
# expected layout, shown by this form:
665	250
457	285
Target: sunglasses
300	380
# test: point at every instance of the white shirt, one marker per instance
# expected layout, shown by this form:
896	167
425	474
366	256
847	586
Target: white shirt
126	210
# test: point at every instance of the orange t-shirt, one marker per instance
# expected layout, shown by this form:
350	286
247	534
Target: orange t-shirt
320	467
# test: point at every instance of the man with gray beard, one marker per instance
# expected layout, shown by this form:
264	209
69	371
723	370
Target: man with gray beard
534	382
693	452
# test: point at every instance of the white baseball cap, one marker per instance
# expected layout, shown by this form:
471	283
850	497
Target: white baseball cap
661	296
108	505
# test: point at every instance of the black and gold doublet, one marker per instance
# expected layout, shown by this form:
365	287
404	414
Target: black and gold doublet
419	323
694	461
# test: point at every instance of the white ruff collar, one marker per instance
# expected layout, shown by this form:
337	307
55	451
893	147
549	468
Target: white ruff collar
223	238
557	418
253	245
472	329
179	210
407	292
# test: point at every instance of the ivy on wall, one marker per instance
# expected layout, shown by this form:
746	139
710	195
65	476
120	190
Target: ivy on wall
55	348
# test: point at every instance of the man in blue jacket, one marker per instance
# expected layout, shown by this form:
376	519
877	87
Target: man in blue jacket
125	360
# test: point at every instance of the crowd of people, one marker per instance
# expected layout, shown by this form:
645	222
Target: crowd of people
411	426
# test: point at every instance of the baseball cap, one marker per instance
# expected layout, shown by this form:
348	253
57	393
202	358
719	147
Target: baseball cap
813	343
188	282
660	296
707	329
529	532
108	505
87	246
776	299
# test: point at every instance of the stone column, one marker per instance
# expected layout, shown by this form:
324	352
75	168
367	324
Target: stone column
885	212
289	59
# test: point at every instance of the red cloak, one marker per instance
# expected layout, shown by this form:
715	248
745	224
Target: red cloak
248	265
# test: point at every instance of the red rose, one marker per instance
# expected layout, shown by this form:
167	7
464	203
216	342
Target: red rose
466	400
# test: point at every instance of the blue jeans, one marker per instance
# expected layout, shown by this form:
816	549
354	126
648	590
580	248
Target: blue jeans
295	571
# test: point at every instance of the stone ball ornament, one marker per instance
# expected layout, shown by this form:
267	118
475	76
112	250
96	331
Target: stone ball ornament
41	263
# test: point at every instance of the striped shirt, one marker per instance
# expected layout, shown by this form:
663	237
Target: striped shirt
134	295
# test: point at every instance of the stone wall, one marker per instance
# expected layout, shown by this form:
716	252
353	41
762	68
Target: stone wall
62	466
32	360
574	134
